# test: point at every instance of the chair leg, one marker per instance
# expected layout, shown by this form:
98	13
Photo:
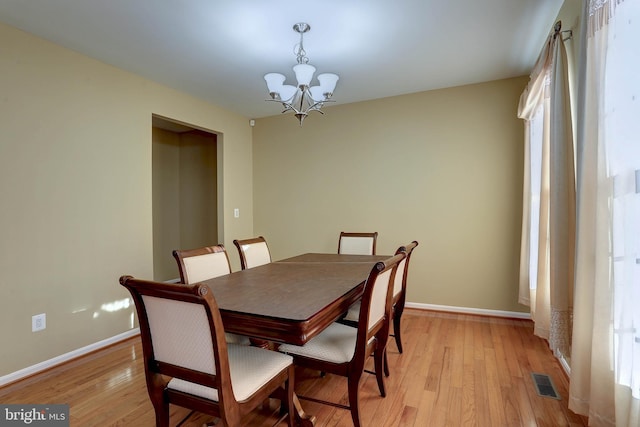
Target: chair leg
289	385
396	330
386	363
379	362
353	386
159	401
162	413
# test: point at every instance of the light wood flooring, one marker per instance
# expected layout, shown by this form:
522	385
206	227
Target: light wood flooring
456	370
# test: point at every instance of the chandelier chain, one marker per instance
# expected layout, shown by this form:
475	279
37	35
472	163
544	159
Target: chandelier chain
299	51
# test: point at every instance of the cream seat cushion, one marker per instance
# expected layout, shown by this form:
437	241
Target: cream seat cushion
237	339
250	367
354	312
335	344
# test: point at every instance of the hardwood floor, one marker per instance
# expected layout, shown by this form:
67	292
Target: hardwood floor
456	370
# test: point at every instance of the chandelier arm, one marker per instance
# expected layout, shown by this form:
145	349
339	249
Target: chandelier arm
287	106
316	106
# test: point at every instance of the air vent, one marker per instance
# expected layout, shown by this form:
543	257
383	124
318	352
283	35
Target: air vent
544	386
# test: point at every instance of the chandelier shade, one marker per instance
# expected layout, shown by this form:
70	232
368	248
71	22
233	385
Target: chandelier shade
328	83
303	98
274	82
304	74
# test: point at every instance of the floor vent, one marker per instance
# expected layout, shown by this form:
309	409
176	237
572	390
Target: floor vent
544	386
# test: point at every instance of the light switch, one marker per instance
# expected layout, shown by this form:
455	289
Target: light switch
236	213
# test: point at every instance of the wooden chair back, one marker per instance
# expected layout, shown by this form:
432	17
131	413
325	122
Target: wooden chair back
400	282
253	252
357	243
375	307
400	292
196	265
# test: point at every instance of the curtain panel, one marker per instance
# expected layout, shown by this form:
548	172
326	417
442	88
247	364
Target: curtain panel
548	231
605	359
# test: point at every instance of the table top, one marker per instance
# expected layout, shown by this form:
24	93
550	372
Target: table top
337	258
294	299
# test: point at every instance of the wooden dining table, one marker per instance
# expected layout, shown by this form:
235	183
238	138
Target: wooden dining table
292	300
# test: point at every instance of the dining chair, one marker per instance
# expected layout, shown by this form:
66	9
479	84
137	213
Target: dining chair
253	252
196	265
400	293
342	350
188	363
399	296
357	243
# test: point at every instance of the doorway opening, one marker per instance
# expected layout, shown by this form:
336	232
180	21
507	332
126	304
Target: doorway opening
185	192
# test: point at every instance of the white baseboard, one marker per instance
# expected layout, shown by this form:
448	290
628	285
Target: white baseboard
467	310
34	369
31	370
565	366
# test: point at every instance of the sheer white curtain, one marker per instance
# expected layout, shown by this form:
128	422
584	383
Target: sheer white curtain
548	233
605	360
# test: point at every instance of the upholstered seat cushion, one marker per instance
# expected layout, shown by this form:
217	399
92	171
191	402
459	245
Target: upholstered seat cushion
335	344
250	367
237	339
354	312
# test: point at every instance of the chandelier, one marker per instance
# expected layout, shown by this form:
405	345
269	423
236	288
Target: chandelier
301	99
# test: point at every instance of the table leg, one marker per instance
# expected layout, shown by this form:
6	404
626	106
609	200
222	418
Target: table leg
302	418
256	342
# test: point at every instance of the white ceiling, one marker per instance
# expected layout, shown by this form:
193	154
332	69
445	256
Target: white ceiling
218	50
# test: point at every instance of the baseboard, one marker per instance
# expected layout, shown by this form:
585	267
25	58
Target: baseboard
31	370
47	364
467	310
565	366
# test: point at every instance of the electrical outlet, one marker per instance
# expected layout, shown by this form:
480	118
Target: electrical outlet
38	322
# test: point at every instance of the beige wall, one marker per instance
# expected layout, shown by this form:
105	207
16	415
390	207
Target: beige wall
198	192
185	211
166	202
76	191
442	167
